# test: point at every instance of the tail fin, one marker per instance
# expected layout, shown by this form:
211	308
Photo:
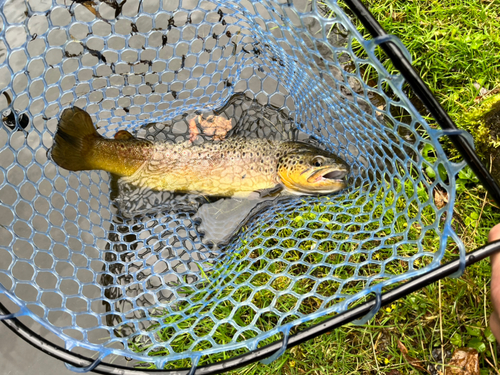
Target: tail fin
75	137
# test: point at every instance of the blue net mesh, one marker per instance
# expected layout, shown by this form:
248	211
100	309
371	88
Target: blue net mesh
156	276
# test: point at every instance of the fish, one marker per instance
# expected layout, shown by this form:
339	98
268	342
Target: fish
232	167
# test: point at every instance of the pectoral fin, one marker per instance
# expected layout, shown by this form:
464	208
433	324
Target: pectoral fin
270	192
258	194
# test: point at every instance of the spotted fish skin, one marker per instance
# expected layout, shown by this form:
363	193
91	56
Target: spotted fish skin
235	166
231	167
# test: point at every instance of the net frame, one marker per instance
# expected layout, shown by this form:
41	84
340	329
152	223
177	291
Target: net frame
391	47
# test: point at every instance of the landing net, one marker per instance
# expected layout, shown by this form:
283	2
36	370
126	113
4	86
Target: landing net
117	274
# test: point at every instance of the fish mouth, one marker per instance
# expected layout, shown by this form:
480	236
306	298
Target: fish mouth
328	174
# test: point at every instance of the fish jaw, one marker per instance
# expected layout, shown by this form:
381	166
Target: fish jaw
332	174
312	182
328	180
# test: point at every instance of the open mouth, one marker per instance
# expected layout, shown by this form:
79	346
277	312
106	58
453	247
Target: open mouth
335	175
332	175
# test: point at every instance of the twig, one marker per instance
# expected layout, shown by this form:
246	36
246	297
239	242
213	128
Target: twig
480	214
494	367
482	207
486	323
374	353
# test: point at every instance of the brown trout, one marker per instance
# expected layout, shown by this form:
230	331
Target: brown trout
231	167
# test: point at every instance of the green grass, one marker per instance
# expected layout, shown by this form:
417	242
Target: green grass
416	320
454	44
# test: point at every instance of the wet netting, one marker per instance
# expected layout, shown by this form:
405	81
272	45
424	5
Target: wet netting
115	277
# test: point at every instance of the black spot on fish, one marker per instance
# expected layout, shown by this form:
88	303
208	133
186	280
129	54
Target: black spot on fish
242	177
221	15
174	94
228	34
134	28
164	39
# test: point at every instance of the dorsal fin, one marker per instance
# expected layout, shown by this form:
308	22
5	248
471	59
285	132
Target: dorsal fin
123	135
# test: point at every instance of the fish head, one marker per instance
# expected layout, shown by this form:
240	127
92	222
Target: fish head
308	170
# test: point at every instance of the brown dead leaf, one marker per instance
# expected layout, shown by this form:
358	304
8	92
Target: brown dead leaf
465	361
394	372
440	198
90	6
398	16
412	361
487	94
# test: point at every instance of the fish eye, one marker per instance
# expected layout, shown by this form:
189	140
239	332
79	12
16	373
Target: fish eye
318	161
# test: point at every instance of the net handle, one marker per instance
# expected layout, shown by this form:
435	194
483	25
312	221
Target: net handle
259	354
400	61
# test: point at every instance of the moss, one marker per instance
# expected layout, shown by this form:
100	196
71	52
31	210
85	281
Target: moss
483	122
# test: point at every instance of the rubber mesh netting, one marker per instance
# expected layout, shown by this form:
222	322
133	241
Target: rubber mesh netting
156	276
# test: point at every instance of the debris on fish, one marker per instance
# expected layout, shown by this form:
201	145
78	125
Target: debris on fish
230	167
213	126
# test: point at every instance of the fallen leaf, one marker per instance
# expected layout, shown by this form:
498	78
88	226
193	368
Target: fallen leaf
440	198
90	6
412	361
482	91
480	98
465	361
